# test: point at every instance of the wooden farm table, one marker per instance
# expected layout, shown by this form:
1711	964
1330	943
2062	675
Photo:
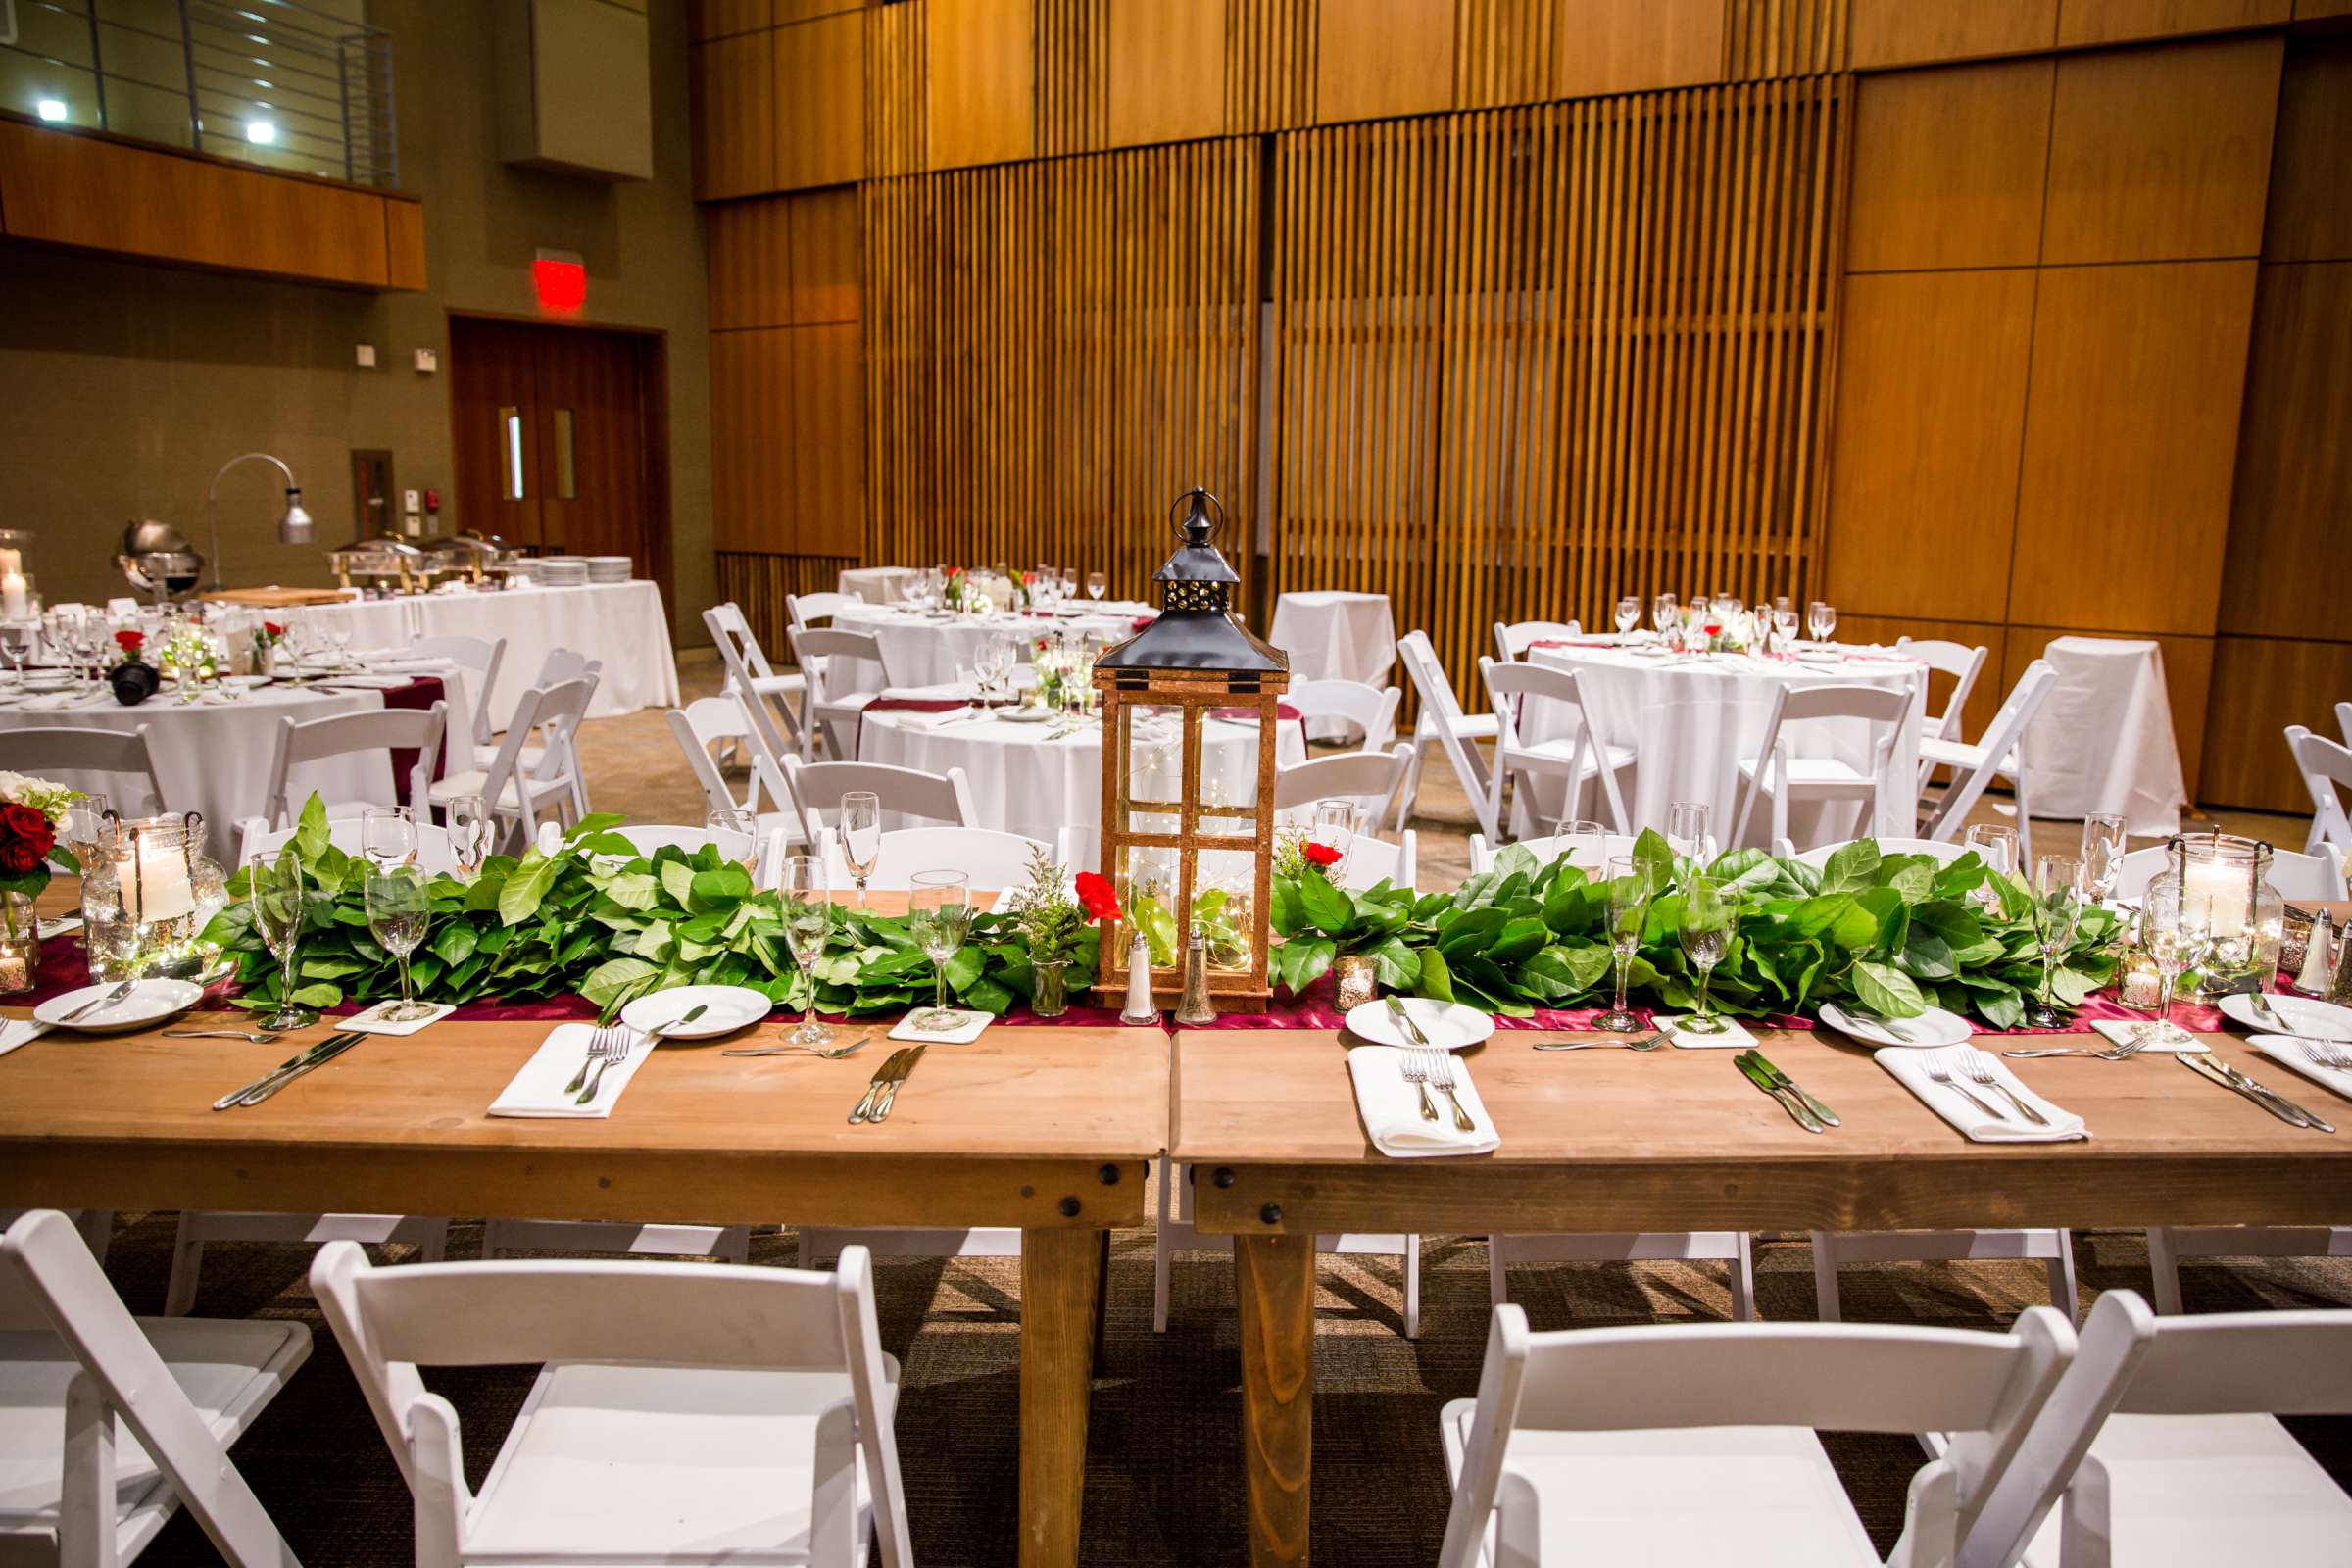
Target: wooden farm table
1678	1140
1047	1129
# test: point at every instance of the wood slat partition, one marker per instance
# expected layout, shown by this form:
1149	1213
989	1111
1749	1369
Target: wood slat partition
1768	39
759	582
1532	358
1506	52
1073	76
896	127
1054	351
1269	64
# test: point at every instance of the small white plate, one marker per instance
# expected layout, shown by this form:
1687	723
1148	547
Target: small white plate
1026	715
2303	1015
726	1008
149	1002
1933	1027
1450	1025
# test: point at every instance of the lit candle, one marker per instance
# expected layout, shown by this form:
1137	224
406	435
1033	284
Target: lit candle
2222	888
163	878
12	590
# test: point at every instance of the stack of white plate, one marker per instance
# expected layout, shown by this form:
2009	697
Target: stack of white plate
559	572
610	568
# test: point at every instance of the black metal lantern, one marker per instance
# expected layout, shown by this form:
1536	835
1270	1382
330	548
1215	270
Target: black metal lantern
1188	818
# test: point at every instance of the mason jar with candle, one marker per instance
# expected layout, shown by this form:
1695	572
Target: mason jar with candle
156	876
2229	875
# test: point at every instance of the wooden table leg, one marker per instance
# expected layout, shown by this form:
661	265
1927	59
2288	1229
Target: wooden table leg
1058	1272
1275	1276
1102	1302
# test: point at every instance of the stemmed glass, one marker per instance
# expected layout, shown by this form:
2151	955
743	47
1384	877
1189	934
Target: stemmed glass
470	833
1709	911
397	914
1629	613
339	639
735	831
940	916
808	923
275	887
1821	619
1784	624
1686	832
1629	911
1665	614
1335	824
388	835
1580	840
84	829
861	836
1996	846
16	647
2102	850
2057	906
1097	583
2177	928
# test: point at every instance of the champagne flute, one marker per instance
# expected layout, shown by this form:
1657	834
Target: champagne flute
1665	614
862	836
1784	624
2177	928
1334	822
471	834
275	888
808	923
2102	849
1097	583
1581	841
1629	911
388	835
1710	909
1996	846
940	912
1821	619
1686	833
2057	906
84	829
397	914
1629	615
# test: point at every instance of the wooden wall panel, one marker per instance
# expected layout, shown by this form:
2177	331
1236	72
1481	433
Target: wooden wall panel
980	85
827	257
1377	58
790	10
1506	50
823	443
1984	699
1911	32
1765	39
2188	680
1949	167
2085	22
751	476
2309	215
404	243
2290	525
1073	75
1930	415
896	107
733	115
749	249
2131	430
1167	68
820	102
2264	684
1269	64
2162	154
720	18
1606	46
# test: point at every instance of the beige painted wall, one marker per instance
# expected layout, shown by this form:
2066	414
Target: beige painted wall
123	387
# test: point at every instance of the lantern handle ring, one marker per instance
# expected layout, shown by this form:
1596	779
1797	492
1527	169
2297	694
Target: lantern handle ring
1183	525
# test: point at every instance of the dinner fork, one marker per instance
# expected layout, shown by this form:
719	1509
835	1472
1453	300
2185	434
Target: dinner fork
1416	1073
1940	1074
1441	1073
2326	1054
1981	1072
1653	1043
2137	1043
609	1046
588	1058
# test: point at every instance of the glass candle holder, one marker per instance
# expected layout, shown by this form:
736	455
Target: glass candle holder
20	942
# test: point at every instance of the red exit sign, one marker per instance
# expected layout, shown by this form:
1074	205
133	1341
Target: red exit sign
561	280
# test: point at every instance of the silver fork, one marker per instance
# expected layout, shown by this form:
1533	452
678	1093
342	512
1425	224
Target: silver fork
2325	1054
2139	1042
588	1058
1441	1073
609	1045
1653	1043
1940	1074
1981	1073
1416	1073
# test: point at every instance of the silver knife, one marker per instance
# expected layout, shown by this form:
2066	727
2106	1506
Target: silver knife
1780	1097
2286	1110
315	1060
285	1066
2262	1010
107	1000
897	1080
1404	1021
1786	1082
873	1086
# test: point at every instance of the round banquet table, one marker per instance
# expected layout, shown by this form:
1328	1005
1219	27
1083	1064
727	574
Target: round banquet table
1692	720
1023	783
935	650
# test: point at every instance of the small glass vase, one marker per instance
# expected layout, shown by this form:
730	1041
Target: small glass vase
1358	980
1049	987
20	942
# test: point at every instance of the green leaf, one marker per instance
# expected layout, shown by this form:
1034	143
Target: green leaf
631	890
455	942
1306	962
1327	907
966	967
324	994
618	979
1851	868
1396	964
310	834
527	887
1885	990
1435	979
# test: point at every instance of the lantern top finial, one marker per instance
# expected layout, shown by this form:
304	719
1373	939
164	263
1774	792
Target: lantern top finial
1199	560
1195	628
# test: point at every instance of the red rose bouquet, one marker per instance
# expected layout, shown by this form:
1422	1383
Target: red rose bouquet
1100	899
1322	854
29	811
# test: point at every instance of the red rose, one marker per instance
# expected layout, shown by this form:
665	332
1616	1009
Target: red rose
18	856
1101	898
273	628
129	640
1713	630
1320	853
954	571
25	824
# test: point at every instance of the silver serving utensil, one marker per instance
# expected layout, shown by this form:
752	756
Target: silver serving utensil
2139	1042
260	1037
873	1086
1981	1074
313	1065
1653	1043
654	1035
106	1001
828	1053
1820	1111
898	1081
1439	1067
237	1096
2270	1100
2265	1016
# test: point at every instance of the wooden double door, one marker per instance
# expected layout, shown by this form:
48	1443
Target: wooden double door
558	439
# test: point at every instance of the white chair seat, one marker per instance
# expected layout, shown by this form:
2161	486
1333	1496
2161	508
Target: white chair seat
527	758
726	1452
779	685
1560	751
1476	726
1758	1496
1963	756
2197	1490
1818	772
473	782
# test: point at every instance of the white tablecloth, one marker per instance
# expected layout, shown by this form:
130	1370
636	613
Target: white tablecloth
1694	720
877	585
924	649
1023	783
2103	739
1336	635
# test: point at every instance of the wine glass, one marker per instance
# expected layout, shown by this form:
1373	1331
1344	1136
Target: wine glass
1581	841
1335	824
339	639
808	923
1097	584
1629	613
940	915
735	831
1665	614
2177	928
861	836
84	829
1784	624
397	914
2057	906
274	884
2102	852
1996	846
1629	911
1711	909
1686	832
388	835
1821	619
16	646
470	833
1726	606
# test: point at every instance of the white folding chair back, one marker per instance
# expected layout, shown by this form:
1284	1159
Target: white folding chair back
816	789
518	794
1595	863
110	1423
1786	779
830	662
1371	861
433	855
1592	1438
686	1381
1443	720
1512	639
2327	770
2344	722
772	702
1956	660
989	858
1370	779
708	722
484	658
1976	765
563	663
1370	708
1571	758
386	730
122	755
767	849
1174	1232
807	610
1079	847
2303	878
1945	853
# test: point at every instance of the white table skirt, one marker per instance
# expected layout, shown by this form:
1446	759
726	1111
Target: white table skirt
922	651
2103	739
876	585
1336	635
1694	720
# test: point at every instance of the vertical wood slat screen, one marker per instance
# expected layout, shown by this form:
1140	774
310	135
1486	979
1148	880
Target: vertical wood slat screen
1532	358
758	583
1504	52
1770	38
1269	64
1054	351
1073	76
896	121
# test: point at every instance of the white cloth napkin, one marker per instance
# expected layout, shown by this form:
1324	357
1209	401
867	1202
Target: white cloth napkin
1909	1066
19	1032
916	718
2173	1038
366	683
1392	1109
538	1088
1733	1037
2282	1049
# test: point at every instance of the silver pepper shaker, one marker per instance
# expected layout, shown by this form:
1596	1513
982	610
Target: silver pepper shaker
1141	1008
1194	1006
2339	983
2318	957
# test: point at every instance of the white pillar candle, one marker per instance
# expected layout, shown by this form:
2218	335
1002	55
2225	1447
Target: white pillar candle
12	593
2222	888
163	891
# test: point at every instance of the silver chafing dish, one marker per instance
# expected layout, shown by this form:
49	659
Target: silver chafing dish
378	561
157	559
472	556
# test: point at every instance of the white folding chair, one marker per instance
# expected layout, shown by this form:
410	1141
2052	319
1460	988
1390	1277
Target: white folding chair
809	612
1369	709
2344	722
1372	780
563	663
433	855
1787	779
1373	860
988	858
2054	1250
110	1423
1174	1233
685	1412
2161	1446
387	730
1582	753
2318	877
481	656
830	703
504	1238
772	702
1443	722
1594	861
1584	1445
1512	639
1958	660
2327	770
1977	764
199	1228
121	756
767	848
723	721
1819	855
816	789
518	793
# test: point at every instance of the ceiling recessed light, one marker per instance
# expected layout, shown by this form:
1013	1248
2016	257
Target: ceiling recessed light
51	108
262	132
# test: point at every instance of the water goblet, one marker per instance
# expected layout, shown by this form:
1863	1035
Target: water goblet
1994	844
1582	841
388	835
2103	844
275	884
2177	928
1710	911
1630	893
808	923
1097	583
471	832
940	916
1686	832
1335	827
2057	890
1821	619
735	831
1629	613
397	914
1665	614
861	836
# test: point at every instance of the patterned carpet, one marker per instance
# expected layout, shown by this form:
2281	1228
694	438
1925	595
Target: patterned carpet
1164	1456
